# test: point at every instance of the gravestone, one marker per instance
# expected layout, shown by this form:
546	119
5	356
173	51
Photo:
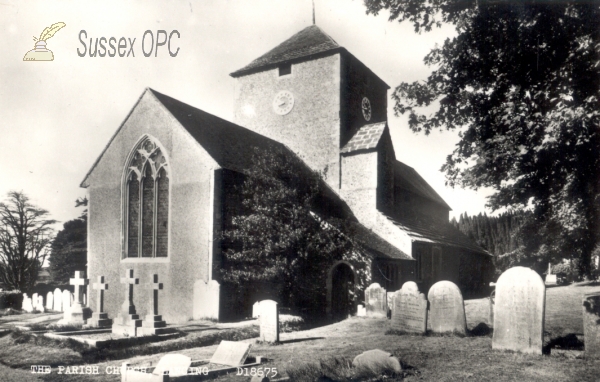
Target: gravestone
23	302
99	319
269	321
410	309
519	311
127	321
376	301
76	315
27	304
391	299
591	325
446	308
361	311
153	323
255	309
34	301
49	301
40	304
206	300
551	279
231	353
377	361
57	306
175	365
66	300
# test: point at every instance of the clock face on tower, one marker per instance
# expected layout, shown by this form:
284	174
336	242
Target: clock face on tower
283	102
366	109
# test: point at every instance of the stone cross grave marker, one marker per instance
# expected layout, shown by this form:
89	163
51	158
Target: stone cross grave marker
78	282
591	325
269	321
446	308
99	319
410	310
57	300
153	323
519	311
127	321
175	365
376	301
231	353
49	301
100	286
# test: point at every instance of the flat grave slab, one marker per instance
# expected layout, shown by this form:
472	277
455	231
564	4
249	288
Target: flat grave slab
231	353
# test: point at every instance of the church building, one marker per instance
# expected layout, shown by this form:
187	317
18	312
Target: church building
157	192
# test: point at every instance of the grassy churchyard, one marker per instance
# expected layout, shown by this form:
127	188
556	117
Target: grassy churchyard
304	355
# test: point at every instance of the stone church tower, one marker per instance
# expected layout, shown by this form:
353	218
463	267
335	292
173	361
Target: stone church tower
312	95
315	97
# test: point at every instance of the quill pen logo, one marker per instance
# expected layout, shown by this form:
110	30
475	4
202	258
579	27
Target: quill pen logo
40	52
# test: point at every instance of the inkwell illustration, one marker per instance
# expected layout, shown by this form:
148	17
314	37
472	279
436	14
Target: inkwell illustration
40	53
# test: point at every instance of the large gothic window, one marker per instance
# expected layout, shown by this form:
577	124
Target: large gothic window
146	202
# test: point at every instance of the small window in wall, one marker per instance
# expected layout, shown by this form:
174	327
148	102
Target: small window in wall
285	69
419	265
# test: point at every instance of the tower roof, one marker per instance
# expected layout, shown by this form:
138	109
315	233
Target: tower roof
308	42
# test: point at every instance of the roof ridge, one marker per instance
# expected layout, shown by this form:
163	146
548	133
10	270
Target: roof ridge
304	43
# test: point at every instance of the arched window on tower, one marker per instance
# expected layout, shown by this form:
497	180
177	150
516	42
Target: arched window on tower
146	202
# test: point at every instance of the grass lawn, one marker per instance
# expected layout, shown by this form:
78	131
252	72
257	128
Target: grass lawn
425	358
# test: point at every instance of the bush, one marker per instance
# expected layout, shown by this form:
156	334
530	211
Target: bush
11	299
569	269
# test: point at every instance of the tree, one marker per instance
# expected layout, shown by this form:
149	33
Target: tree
25	232
69	249
520	82
277	232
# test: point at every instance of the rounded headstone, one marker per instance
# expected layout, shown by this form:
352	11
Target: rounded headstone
446	308
409	313
376	301
57	300
49	301
519	311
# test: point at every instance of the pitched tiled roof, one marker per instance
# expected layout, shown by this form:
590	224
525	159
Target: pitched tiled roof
407	178
308	42
366	138
372	242
232	146
423	229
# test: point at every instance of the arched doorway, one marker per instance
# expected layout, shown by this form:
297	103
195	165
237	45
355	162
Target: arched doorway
342	290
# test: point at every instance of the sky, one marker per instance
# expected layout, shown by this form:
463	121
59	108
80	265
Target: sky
57	116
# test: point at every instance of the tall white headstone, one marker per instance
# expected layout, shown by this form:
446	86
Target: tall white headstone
269	321
519	311
58	300
49	301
